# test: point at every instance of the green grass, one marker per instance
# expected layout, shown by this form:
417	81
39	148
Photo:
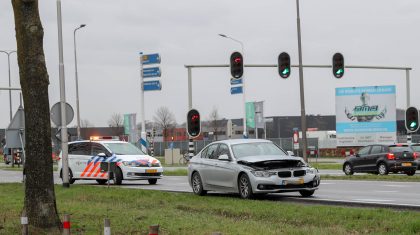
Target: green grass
178	172
327	166
391	177
131	211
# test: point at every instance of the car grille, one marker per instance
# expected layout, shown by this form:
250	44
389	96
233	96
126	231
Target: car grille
284	174
148	174
299	173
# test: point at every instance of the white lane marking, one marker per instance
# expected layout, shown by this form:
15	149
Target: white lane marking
396	185
386	191
324	183
373	200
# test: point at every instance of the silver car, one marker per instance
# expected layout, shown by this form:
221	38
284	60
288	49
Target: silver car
250	167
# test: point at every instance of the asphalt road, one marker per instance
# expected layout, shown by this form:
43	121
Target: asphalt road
403	195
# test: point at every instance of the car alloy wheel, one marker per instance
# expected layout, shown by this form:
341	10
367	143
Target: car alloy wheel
197	185
382	169
245	189
348	170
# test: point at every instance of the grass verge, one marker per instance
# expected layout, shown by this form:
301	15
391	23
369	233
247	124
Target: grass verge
327	166
132	211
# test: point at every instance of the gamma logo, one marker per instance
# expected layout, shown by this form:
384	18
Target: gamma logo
365	112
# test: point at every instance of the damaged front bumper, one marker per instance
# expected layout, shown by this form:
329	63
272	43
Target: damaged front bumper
276	184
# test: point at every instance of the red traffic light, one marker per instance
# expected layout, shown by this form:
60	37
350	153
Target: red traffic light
236	65
193	123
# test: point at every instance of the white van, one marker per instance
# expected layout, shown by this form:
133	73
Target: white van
85	159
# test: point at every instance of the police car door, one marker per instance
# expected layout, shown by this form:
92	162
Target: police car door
79	153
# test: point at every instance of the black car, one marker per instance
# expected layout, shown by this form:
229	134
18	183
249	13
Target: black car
416	149
382	159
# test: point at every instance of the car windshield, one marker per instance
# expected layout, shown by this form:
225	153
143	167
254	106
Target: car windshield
124	149
256	149
416	148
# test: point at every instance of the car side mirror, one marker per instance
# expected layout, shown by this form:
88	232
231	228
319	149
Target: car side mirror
224	157
357	155
102	155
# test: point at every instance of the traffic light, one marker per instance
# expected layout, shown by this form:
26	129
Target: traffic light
193	123
236	65
338	65
412	119
284	65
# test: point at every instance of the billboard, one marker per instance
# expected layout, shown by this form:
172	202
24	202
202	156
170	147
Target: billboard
365	115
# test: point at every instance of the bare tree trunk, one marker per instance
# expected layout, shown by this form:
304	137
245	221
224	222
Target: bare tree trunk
40	202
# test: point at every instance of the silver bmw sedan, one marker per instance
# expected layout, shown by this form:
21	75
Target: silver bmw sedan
250	167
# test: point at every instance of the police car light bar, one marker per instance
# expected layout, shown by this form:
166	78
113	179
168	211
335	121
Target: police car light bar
104	138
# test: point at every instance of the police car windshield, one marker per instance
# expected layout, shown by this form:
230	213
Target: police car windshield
124	149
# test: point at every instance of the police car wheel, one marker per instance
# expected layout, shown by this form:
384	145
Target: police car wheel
71	180
101	181
118	176
152	181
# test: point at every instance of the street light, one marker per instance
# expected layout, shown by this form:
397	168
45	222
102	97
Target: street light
77	82
245	133
8	53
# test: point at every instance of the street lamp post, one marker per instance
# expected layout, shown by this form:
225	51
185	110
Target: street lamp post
77	81
245	133
8	53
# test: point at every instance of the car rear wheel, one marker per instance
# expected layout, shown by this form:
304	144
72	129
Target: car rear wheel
71	180
197	184
348	169
152	181
382	169
410	173
306	193
245	188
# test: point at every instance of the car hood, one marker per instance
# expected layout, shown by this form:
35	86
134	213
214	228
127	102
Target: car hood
271	162
138	158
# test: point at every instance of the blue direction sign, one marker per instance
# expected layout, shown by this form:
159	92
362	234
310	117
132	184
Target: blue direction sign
151	59
152	85
151	72
235	81
236	90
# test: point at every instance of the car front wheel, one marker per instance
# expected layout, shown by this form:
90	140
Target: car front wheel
118	177
245	188
382	169
197	184
348	169
306	193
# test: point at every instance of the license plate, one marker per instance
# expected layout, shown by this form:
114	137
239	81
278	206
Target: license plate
406	164
151	170
293	182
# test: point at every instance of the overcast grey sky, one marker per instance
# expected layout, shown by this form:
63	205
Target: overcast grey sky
374	32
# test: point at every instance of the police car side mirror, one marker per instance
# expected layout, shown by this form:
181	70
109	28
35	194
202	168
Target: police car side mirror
102	155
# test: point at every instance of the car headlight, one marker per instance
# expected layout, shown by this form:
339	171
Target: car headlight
126	163
311	171
263	173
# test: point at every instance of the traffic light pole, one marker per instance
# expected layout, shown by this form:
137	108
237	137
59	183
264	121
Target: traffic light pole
190	140
190	67
302	90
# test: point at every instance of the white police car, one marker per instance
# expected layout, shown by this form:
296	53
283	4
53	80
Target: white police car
85	158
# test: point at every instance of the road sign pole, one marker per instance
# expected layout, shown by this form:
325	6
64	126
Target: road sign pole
190	140
143	141
64	138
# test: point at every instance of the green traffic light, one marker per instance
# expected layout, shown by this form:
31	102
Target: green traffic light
285	71
340	71
413	124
